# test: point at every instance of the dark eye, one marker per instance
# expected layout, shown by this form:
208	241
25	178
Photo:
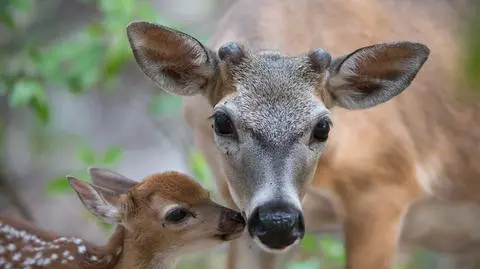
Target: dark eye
177	215
222	124
321	130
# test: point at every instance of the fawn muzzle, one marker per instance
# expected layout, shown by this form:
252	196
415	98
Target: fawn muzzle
277	224
231	225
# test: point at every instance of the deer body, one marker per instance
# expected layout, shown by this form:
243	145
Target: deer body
405	168
24	246
154	218
412	134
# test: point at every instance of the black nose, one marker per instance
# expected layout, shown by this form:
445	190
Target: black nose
277	224
236	216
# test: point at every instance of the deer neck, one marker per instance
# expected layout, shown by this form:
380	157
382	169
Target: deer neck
142	252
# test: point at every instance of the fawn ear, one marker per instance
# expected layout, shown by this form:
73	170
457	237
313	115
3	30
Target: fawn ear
111	180
101	202
175	61
375	74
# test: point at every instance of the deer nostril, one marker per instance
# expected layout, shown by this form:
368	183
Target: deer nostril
236	216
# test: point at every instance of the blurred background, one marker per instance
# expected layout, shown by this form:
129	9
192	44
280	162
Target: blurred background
71	97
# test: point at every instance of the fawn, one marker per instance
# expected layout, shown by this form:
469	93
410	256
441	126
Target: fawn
281	79
158	219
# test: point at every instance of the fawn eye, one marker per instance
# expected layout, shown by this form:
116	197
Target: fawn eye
321	130
177	214
222	124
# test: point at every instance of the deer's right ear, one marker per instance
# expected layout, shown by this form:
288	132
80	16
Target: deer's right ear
101	202
111	180
175	61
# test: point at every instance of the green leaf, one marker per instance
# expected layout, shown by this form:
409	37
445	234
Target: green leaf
76	62
165	104
24	91
333	249
81	174
112	155
31	92
310	244
200	169
118	54
307	264
86	154
58	185
7	18
146	11
22	5
41	110
105	226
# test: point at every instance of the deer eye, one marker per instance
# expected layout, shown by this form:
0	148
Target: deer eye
176	215
321	130
222	124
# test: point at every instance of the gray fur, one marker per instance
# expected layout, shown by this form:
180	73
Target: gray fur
274	109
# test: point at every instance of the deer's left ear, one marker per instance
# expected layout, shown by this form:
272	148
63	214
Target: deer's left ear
373	75
101	202
175	61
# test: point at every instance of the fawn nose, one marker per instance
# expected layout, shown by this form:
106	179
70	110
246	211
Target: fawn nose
277	224
237	217
232	222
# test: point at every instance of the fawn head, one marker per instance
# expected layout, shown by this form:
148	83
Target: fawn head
165	211
272	117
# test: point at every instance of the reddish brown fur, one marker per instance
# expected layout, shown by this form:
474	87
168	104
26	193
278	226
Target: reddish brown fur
172	186
143	238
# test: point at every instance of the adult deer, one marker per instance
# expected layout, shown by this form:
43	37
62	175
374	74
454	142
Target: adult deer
274	96
158	219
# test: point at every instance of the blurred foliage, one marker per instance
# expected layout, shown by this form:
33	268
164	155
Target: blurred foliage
165	104
90	56
89	158
472	47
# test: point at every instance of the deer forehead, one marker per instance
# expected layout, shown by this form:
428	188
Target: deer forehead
275	96
171	186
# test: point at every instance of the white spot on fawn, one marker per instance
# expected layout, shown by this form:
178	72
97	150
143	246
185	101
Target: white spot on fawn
17	256
11	247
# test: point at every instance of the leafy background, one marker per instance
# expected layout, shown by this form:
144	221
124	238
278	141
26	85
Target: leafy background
47	60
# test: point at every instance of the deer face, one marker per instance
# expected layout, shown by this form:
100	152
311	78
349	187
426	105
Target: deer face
165	211
271	117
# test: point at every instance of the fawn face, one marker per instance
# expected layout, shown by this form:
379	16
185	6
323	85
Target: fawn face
165	211
271	115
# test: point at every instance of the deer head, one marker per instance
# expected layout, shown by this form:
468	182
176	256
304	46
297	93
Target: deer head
272	114
164	215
